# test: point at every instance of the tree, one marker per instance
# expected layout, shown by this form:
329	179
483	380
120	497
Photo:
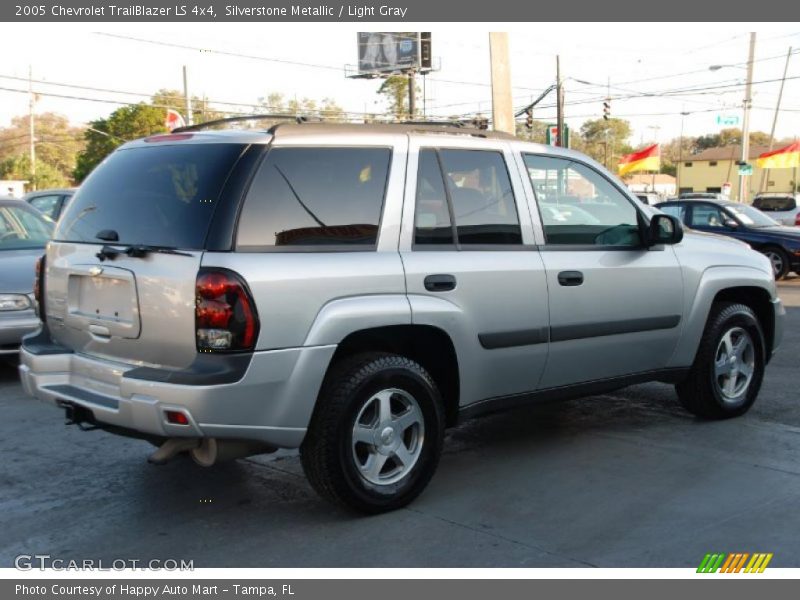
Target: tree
201	111
395	90
673	151
19	167
326	109
604	140
56	143
731	136
537	134
104	135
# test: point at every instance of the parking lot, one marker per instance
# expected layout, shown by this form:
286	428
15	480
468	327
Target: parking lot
626	479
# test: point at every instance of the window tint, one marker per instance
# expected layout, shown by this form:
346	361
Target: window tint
481	195
23	228
707	215
46	204
315	197
775	203
580	206
155	195
432	216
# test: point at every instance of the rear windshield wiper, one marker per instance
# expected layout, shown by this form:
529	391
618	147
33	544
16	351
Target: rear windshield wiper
136	251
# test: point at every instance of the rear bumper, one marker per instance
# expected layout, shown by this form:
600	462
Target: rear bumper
13	326
271	403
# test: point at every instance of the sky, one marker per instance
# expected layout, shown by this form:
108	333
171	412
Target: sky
655	71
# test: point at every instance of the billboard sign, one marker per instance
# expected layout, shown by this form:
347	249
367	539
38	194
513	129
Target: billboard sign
391	52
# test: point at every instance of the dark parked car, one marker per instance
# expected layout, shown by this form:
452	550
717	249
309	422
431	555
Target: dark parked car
780	244
50	202
23	235
701	196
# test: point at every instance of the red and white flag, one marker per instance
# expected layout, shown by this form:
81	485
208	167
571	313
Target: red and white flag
174	120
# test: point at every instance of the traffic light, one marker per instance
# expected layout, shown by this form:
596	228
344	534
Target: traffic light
607	109
529	118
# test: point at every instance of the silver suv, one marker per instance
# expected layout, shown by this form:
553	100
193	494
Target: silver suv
352	291
781	207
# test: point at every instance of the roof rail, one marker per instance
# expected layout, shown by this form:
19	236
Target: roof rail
200	126
459	124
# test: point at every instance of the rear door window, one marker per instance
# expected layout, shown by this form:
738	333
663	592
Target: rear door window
160	195
676	210
470	187
707	215
315	197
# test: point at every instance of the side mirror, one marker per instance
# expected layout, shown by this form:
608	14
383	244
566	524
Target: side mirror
664	229
731	223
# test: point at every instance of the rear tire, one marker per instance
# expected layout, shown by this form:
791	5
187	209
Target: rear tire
779	259
376	435
726	376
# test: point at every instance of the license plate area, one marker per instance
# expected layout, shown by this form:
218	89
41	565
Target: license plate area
103	300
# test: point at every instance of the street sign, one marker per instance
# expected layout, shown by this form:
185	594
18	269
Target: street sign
745	169
728	120
552	135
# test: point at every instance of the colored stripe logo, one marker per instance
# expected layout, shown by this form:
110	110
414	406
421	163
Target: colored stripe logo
735	562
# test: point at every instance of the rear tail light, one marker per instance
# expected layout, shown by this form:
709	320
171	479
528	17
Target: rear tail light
797	220
225	314
38	286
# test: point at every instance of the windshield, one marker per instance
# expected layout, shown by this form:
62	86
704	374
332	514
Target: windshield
23	228
154	195
751	217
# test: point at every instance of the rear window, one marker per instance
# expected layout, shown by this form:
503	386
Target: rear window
158	195
775	203
315	197
22	228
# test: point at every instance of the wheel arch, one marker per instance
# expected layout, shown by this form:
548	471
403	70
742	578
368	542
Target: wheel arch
759	300
747	285
429	346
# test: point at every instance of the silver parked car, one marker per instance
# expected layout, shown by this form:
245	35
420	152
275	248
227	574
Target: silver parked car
23	235
782	208
51	202
352	291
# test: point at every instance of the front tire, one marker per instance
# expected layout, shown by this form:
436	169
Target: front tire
376	435
726	376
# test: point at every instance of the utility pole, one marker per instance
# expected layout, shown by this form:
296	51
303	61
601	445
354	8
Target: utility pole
502	102
31	102
412	95
559	103
748	100
188	99
765	172
680	156
609	140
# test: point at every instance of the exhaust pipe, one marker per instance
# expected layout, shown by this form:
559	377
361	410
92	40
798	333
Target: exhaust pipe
171	448
211	451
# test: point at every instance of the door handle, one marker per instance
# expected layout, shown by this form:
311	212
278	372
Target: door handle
440	283
570	278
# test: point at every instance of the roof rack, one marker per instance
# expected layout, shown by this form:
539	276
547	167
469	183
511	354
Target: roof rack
200	126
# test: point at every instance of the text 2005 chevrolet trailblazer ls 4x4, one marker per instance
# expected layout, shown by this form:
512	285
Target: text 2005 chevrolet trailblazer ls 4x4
351	291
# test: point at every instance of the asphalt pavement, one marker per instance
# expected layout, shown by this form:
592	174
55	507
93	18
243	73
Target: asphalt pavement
626	479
